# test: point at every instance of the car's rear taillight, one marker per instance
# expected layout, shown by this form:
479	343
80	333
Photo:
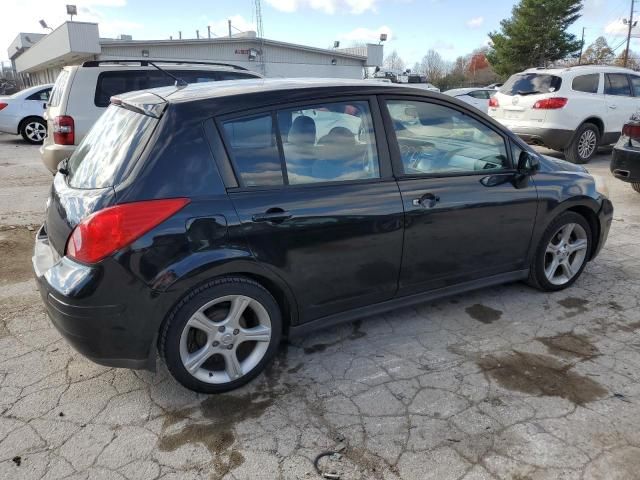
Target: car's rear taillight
64	130
3	105
113	228
551	103
631	130
493	102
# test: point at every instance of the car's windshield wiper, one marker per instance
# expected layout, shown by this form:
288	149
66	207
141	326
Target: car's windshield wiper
528	92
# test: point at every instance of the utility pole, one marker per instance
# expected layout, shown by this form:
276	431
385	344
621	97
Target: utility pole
229	21
208	31
630	24
581	47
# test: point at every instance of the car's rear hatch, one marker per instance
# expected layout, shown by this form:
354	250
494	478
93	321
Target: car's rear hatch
104	158
517	97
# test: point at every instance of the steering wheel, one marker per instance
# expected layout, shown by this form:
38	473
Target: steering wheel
490	162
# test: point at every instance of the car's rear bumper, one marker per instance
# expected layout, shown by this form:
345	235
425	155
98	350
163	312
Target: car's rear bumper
625	162
52	154
88	312
553	138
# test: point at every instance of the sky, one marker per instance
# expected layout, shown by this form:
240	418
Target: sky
413	27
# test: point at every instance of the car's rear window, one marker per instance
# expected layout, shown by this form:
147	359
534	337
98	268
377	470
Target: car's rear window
117	82
114	141
58	88
531	84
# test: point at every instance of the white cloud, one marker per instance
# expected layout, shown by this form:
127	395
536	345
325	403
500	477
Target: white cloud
330	7
23	15
368	35
619	29
475	22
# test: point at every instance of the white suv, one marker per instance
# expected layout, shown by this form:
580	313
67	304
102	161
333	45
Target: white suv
571	109
82	92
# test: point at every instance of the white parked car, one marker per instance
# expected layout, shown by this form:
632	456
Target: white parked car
573	109
82	92
22	113
478	97
425	86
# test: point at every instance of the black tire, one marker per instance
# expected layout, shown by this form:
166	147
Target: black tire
169	340
572	152
636	186
33	130
537	277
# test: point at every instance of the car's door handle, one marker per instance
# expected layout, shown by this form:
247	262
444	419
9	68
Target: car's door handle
613	107
273	215
428	200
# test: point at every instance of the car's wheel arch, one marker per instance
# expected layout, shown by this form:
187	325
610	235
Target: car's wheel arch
247	267
585	206
27	118
594	120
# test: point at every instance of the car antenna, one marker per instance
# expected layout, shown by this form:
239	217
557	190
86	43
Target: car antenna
180	83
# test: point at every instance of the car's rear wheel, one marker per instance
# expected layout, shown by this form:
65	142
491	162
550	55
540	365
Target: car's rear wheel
33	130
584	144
562	253
636	186
221	335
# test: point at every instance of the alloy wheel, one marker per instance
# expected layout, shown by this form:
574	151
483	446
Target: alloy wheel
587	144
225	339
35	131
565	254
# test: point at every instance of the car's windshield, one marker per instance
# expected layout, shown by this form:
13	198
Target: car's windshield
531	84
115	140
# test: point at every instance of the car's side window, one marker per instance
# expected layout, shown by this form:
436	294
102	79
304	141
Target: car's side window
586	83
328	142
252	145
635	82
42	95
434	139
617	84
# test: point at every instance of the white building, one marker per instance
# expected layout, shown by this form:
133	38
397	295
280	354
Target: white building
38	58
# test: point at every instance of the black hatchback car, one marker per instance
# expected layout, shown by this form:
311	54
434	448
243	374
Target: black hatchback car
208	222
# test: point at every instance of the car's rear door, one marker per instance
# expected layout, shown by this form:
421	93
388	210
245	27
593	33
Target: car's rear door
466	216
620	101
318	201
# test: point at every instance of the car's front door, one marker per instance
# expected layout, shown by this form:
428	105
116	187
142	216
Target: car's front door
318	201
467	217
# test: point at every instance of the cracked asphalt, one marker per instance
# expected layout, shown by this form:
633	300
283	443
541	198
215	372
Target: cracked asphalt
502	383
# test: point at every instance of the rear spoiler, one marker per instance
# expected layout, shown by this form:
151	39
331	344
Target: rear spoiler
146	103
146	63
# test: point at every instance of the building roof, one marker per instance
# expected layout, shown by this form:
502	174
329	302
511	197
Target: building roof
235	39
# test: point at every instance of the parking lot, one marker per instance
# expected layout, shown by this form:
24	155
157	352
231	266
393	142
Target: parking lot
503	383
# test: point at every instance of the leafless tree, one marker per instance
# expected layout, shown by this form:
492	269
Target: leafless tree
433	66
394	62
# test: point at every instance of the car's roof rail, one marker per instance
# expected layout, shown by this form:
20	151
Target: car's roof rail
146	62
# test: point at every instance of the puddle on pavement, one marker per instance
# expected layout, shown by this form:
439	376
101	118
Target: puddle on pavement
16	248
540	375
216	429
483	314
575	305
355	334
570	345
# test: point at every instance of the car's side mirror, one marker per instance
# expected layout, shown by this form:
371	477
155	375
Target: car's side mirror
528	164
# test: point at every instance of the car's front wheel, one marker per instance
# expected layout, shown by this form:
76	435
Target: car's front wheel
584	144
33	130
562	253
221	335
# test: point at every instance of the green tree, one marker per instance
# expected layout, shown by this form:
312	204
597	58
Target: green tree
535	35
598	53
